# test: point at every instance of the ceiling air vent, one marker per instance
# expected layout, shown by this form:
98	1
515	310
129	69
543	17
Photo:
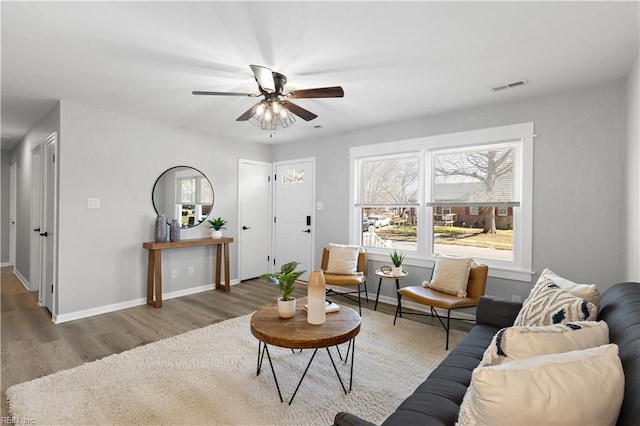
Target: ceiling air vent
511	85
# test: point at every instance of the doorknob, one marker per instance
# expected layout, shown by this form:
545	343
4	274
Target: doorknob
44	234
36	230
308	231
244	228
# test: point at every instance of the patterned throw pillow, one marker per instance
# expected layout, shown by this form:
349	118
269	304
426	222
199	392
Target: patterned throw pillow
549	304
450	275
585	291
514	343
584	387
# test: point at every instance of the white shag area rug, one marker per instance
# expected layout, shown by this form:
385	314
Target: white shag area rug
208	376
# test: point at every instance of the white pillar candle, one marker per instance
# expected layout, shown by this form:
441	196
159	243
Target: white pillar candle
316	313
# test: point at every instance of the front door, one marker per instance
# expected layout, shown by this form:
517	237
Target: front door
294	219
254	242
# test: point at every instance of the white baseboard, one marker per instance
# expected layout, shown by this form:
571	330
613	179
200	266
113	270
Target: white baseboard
3	264
59	319
21	278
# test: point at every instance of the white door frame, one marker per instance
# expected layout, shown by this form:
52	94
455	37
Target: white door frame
313	204
268	213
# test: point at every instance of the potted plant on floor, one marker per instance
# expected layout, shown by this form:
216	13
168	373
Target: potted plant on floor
217	225
397	259
285	280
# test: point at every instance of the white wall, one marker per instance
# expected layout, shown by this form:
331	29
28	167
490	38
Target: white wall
117	158
632	176
578	195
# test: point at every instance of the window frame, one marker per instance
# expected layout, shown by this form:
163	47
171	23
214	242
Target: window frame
520	268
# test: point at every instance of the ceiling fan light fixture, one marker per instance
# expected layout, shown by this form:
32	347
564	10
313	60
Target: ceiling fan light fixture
269	115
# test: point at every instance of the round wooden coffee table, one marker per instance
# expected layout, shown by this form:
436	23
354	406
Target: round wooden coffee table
296	333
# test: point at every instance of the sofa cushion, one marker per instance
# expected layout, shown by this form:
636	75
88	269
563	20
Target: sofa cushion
510	393
549	304
523	342
585	291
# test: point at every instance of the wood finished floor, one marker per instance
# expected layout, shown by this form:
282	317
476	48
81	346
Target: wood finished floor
32	346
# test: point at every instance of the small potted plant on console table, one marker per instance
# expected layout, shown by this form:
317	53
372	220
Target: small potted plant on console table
285	280
217	225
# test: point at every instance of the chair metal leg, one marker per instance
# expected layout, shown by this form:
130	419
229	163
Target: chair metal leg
448	327
366	292
398	309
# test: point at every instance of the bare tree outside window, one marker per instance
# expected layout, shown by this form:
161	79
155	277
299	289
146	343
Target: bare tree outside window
492	169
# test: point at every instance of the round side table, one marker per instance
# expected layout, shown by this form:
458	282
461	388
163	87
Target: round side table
384	275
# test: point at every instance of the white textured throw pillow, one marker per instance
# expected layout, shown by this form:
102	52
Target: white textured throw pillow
585	291
343	259
549	304
583	387
514	343
451	275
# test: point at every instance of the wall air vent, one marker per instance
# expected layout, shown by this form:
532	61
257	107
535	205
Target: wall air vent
511	85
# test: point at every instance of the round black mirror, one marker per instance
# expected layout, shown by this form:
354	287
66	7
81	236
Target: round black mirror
183	193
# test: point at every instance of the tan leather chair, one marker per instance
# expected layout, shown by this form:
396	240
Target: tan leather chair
437	299
357	280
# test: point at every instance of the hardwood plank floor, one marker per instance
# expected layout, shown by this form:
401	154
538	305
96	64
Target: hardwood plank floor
32	346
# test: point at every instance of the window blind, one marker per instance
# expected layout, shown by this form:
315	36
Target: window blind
486	176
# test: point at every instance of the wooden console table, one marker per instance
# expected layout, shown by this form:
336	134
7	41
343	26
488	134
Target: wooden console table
154	269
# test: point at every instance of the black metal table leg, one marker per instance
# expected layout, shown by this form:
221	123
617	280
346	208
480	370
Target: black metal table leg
398	294
302	378
375	308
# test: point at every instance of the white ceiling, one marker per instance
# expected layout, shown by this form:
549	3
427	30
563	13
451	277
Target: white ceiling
395	60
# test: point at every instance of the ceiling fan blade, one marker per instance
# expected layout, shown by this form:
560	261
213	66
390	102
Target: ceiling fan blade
247	115
299	111
320	92
199	92
264	77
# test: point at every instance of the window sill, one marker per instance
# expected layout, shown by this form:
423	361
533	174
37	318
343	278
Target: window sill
495	271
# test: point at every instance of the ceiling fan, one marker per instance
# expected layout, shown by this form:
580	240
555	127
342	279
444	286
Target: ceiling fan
275	109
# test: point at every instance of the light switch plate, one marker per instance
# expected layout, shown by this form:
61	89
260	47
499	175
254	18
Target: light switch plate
93	203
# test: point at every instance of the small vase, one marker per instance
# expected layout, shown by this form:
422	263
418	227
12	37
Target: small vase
396	271
316	297
174	230
160	230
216	234
286	308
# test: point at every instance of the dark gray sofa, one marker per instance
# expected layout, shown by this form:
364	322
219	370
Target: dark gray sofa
437	400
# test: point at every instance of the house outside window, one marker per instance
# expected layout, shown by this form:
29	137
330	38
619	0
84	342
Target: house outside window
469	194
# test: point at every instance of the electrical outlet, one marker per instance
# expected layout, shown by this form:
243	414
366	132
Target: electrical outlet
515	298
191	270
174	273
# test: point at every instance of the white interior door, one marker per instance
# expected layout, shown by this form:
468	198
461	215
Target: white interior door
48	231
13	188
254	242
294	221
35	253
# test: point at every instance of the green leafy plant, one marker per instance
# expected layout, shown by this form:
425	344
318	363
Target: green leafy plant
397	258
285	279
217	223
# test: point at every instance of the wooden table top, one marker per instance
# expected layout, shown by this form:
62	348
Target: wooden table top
195	242
297	333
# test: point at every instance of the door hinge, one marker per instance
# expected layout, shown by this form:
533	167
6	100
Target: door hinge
275	178
51	288
274	262
268	178
54	158
268	258
274	219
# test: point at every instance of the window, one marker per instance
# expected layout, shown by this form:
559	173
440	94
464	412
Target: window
195	197
387	201
467	193
293	176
